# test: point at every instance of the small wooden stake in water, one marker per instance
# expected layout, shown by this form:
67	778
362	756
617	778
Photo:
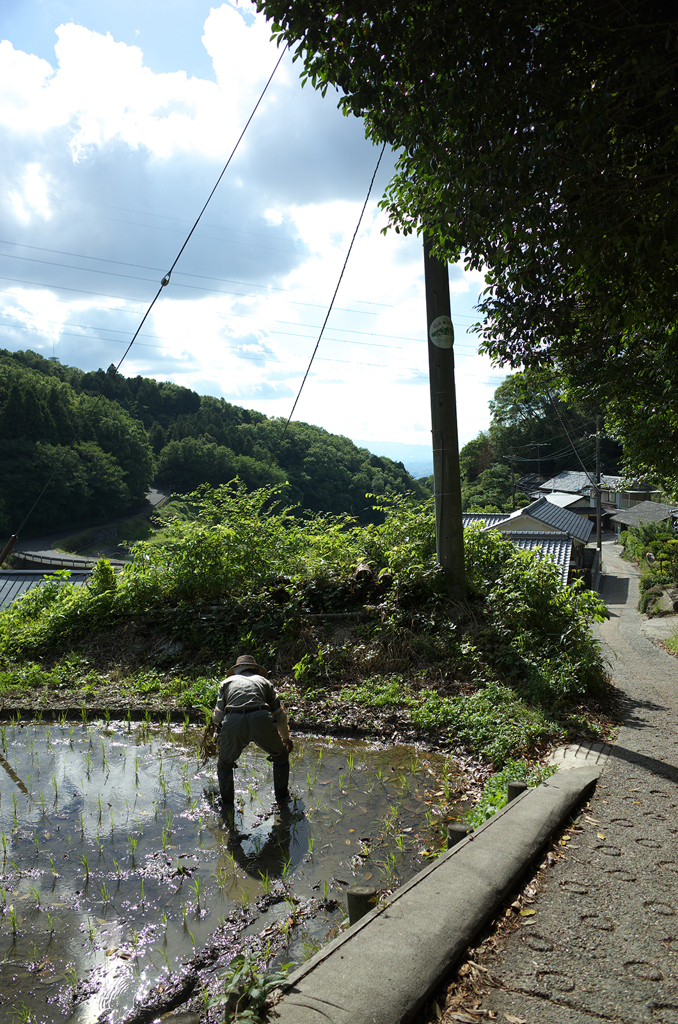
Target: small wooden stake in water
514	789
361	899
456	832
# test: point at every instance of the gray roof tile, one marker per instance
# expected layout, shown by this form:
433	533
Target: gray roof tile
557	547
562	519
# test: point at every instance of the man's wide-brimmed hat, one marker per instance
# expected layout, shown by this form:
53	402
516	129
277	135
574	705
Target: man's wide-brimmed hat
245	661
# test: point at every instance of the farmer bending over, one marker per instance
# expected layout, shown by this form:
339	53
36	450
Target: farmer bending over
249	710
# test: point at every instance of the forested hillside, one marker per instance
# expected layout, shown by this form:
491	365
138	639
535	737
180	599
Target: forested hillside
108	450
532	431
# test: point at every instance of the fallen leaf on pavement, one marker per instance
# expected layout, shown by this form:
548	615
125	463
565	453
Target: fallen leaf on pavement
527	913
515	1020
600	835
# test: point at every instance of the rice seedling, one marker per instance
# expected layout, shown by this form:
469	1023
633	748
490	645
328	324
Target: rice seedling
132	846
37	844
165	957
13	920
34	894
84	863
55	786
266	881
105	894
50	922
195	886
83	715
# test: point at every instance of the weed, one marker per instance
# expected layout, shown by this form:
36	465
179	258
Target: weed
246	988
493	796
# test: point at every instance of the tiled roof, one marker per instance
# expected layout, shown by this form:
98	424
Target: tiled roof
577	482
15	582
645	511
561	519
490	519
557	547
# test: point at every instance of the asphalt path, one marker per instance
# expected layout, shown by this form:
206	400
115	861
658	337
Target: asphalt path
603	943
44	545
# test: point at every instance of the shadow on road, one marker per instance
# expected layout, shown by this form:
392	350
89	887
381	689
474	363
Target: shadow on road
615	589
650	764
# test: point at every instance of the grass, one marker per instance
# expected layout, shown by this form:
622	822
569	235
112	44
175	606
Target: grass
500	675
672	643
493	796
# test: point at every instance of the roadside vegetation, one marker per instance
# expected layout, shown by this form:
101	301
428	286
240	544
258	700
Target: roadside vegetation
353	621
654	548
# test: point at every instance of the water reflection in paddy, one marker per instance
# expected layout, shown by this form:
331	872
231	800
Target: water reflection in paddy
115	866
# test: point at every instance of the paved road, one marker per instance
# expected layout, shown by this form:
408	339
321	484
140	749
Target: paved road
603	944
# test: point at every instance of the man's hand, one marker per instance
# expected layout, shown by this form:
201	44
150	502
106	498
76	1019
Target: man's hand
288	744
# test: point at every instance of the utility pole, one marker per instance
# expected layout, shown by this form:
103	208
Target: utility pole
446	475
599	501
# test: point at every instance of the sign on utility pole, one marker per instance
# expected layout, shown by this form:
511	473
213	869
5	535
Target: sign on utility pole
446	476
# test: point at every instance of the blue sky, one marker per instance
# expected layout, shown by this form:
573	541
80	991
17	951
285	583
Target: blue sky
115	121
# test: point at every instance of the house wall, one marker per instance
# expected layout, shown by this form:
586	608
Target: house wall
526	524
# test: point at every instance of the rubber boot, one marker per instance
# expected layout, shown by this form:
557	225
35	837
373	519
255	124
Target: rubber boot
227	789
281	777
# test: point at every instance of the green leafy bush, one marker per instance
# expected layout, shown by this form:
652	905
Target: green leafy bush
493	796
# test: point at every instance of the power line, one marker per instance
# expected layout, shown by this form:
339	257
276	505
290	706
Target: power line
239	316
166	279
183	273
329	310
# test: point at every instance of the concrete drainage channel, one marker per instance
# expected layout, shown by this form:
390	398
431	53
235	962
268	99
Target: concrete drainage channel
383	967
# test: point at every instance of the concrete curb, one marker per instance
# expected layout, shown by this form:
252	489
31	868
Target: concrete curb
382	969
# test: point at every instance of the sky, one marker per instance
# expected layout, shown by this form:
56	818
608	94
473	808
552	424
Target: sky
116	119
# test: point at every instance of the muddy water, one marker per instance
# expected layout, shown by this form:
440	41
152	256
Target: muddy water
115	866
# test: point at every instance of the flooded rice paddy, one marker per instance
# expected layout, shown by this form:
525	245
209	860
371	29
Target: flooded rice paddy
116	867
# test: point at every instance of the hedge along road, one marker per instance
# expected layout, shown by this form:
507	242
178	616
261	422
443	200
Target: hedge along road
604	940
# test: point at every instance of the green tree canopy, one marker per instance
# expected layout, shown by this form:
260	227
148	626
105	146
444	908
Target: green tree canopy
538	139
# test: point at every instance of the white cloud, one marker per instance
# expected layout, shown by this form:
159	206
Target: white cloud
111	161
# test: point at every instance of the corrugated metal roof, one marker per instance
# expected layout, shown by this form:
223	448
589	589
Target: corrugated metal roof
544	511
15	582
557	547
489	518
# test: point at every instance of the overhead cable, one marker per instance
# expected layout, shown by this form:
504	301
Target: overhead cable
329	310
166	279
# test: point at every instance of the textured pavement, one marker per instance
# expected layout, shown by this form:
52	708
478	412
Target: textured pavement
603	944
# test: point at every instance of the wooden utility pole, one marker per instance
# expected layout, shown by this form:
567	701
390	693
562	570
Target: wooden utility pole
446	475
